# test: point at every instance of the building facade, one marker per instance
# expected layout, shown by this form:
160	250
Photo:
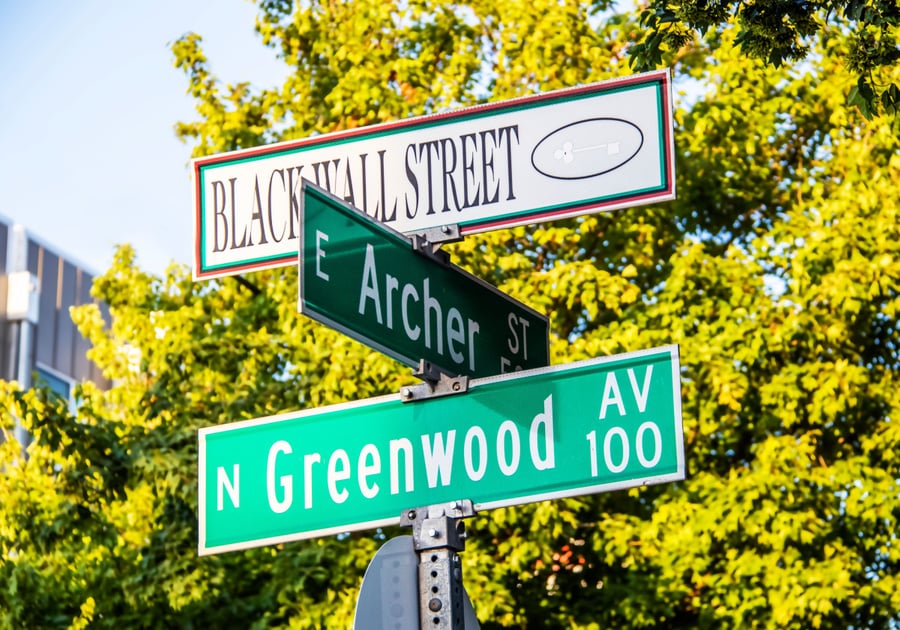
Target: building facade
38	339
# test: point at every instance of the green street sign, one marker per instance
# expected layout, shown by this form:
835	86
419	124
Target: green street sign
570	430
364	279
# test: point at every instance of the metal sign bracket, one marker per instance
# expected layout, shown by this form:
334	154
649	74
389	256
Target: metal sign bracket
436	382
428	242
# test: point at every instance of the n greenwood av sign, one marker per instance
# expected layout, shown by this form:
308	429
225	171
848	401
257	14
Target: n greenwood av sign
570	430
558	154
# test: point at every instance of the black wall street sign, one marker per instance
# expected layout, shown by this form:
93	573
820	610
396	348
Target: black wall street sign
559	154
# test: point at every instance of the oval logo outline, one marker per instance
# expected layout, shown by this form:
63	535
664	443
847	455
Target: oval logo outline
565	152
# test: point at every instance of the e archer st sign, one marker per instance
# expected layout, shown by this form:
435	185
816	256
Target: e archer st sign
558	154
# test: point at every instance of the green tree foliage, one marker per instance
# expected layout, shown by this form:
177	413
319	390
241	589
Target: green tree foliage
777	270
778	32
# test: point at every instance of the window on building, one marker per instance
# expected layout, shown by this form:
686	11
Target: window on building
61	385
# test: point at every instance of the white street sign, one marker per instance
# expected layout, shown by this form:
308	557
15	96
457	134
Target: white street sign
559	154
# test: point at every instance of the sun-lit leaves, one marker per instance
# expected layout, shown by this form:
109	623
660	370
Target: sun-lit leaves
786	34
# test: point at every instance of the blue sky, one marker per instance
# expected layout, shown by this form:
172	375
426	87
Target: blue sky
88	154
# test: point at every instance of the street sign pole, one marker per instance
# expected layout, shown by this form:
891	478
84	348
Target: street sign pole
438	537
389	594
